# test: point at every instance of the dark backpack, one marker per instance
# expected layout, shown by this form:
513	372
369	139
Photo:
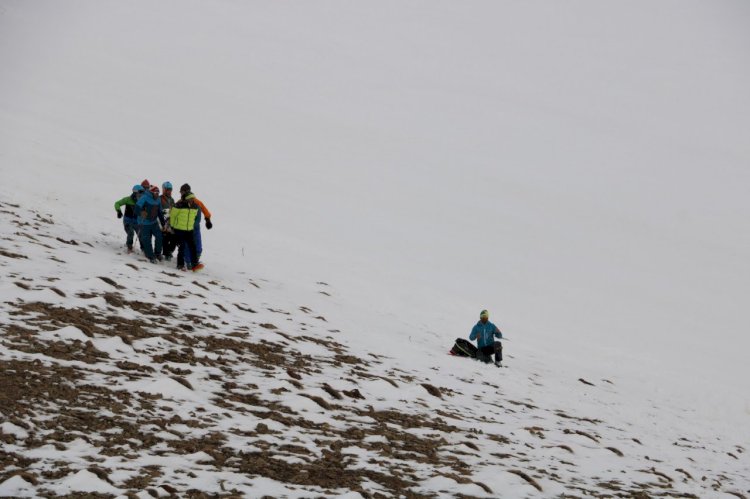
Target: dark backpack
464	348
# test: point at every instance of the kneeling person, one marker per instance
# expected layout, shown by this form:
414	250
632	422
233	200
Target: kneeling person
485	333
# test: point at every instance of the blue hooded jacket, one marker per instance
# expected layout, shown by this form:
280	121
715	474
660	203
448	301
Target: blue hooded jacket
148	210
485	334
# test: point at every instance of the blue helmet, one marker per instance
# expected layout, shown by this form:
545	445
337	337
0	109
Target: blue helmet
166	185
138	188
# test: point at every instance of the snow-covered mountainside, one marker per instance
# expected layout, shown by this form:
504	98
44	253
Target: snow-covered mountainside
120	377
378	173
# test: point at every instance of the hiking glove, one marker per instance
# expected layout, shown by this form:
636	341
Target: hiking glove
119	214
209	224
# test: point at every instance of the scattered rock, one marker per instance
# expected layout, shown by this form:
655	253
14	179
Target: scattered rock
582	433
200	285
10	254
100	473
432	390
126	365
332	391
183	382
688	475
111	282
526	477
562	446
355	394
484	487
654	471
27	477
536	431
318	400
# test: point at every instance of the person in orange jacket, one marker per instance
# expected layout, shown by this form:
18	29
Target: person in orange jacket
184	191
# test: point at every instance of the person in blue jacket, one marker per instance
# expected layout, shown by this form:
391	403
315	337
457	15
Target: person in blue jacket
149	213
485	333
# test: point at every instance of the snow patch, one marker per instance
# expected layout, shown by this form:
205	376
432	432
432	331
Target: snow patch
10	429
70	333
85	481
166	387
16	486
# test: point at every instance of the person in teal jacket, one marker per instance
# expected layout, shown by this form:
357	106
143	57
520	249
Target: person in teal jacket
148	209
130	219
485	333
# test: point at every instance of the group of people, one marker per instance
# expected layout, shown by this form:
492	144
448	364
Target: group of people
163	224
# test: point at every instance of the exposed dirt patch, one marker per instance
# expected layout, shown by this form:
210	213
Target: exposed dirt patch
582	433
355	394
111	282
10	254
332	391
245	308
615	451
432	390
526	477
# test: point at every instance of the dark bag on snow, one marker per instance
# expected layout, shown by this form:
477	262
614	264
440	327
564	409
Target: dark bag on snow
464	348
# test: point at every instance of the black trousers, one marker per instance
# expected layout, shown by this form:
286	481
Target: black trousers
169	242
185	237
485	353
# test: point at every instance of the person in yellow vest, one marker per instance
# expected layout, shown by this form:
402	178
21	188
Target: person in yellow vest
182	219
184	191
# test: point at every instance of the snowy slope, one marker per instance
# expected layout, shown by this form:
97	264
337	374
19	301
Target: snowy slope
122	377
578	169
